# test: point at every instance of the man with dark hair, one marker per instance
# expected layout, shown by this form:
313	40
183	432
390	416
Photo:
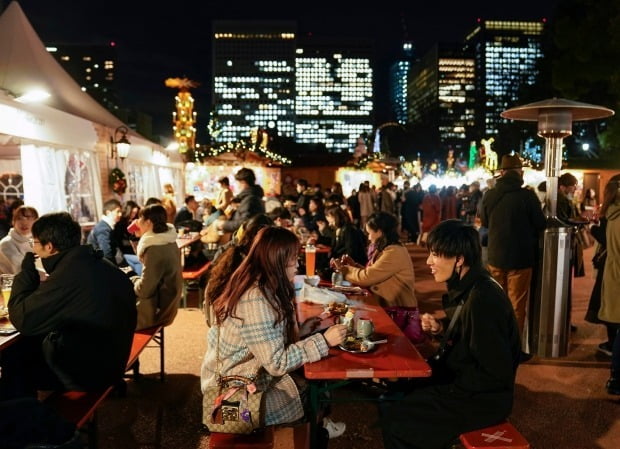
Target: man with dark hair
186	216
472	384
514	220
304	194
566	209
250	200
77	326
102	235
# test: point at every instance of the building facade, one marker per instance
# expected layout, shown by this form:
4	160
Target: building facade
441	97
399	82
314	91
506	55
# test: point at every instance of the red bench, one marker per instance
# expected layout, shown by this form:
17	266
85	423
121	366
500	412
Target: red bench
80	407
194	275
501	436
261	440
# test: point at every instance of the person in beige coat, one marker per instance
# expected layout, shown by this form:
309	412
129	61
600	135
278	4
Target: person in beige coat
389	272
159	288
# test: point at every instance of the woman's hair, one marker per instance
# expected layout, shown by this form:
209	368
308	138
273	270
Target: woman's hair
340	216
25	211
387	223
128	207
453	238
610	194
265	267
157	215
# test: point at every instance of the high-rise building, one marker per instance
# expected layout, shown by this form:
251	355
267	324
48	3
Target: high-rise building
318	91
441	98
92	66
334	92
399	80
254	77
506	54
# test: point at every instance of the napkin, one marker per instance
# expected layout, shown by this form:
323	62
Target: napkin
322	296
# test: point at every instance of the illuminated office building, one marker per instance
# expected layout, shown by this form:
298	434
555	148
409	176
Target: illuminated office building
399	75
506	54
334	92
254	77
441	98
92	67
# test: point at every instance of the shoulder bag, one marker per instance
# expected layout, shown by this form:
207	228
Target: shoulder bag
234	405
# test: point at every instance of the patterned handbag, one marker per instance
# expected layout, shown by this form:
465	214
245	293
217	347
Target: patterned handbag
234	405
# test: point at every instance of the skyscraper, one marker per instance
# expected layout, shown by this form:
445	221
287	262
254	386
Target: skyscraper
317	91
254	77
441	98
334	92
399	80
506	53
92	66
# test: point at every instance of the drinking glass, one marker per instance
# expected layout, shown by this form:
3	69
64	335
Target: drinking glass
6	281
310	259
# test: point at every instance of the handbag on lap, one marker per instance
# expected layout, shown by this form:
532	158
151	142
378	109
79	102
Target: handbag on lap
234	405
408	320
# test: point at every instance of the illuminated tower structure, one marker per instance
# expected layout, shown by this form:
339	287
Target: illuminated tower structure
334	88
506	55
254	77
441	98
184	118
399	77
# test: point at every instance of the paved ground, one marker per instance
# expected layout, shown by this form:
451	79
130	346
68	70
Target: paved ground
560	403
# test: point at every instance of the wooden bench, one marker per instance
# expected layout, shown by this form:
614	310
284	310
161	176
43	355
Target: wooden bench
501	436
194	275
80	407
261	440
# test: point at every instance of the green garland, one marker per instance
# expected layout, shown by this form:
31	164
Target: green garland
117	181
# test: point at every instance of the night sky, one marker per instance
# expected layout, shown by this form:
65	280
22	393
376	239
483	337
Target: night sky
155	42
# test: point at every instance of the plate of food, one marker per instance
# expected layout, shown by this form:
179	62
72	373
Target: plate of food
356	345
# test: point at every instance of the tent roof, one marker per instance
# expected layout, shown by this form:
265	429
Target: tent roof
25	64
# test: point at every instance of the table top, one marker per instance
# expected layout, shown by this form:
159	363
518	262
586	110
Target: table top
396	358
7	340
188	239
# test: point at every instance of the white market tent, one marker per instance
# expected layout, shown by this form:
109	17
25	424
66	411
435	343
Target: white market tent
60	149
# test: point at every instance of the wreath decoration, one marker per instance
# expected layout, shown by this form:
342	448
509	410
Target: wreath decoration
117	181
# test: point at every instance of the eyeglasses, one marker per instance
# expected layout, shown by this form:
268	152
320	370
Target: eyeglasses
32	242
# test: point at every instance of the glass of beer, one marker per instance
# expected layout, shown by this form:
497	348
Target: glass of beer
310	259
6	280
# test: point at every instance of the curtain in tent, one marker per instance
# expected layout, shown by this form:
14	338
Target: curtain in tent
62	180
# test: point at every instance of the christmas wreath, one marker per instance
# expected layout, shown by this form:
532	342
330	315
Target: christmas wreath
117	181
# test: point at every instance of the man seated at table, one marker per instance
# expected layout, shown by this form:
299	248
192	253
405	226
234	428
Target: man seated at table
77	326
102	235
472	385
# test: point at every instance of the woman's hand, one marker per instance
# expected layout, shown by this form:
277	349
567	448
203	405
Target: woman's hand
335	264
309	326
335	335
430	324
347	260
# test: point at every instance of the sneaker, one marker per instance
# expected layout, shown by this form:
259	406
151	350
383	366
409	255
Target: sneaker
605	348
334	429
613	386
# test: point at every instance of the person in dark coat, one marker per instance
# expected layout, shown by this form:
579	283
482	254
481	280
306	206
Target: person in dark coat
472	385
347	239
250	201
102	235
514	219
77	326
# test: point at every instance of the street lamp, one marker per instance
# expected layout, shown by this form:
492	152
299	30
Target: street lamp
550	320
119	148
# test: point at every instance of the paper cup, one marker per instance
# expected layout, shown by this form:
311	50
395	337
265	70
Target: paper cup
133	227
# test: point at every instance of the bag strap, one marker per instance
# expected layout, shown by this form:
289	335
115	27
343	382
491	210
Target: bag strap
444	339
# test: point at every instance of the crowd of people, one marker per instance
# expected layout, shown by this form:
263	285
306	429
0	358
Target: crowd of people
70	296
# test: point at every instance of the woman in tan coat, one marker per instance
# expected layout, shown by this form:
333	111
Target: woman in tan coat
159	288
389	272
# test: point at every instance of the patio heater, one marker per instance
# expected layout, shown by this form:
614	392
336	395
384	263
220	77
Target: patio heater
550	323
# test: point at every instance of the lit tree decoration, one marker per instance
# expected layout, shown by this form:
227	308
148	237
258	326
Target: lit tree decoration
184	118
